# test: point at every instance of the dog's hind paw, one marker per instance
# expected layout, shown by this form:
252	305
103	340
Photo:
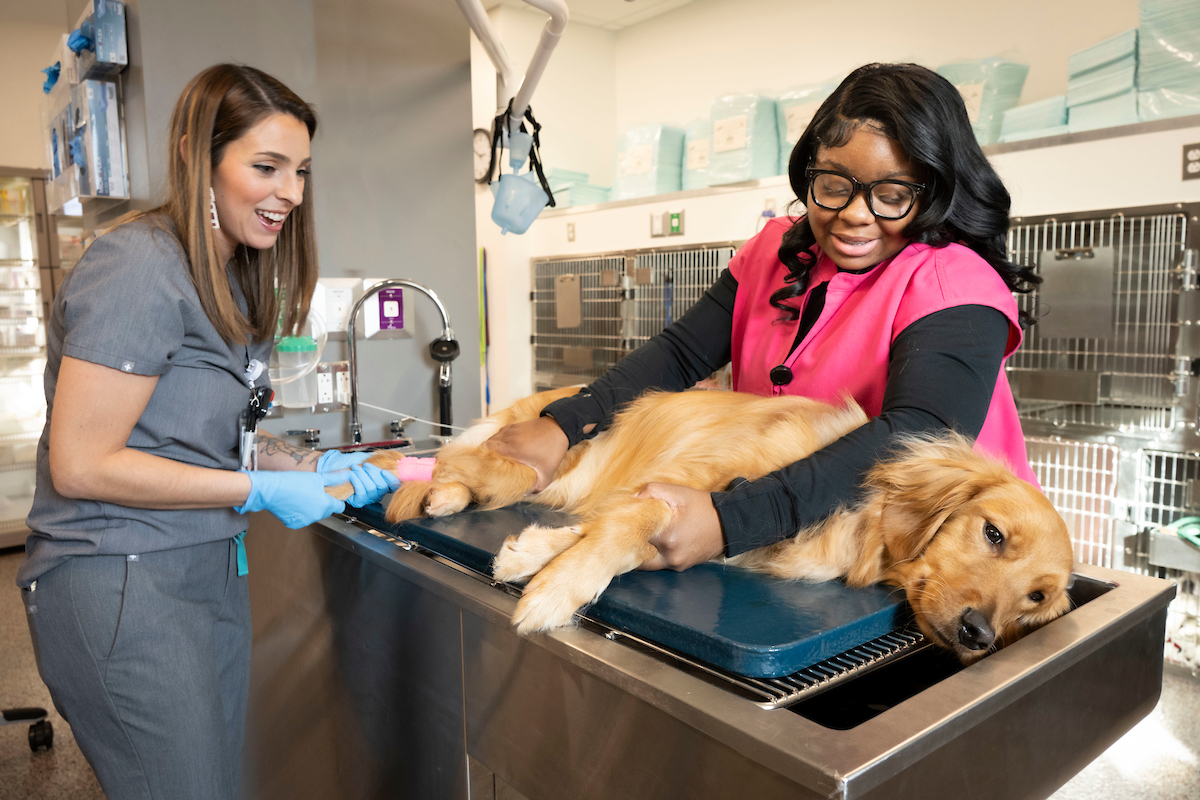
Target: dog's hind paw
524	555
447	498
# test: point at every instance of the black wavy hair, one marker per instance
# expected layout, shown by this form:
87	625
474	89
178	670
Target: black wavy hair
964	200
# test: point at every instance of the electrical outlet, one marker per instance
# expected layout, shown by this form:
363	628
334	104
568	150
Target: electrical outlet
324	388
769	204
341	388
570	231
656	225
333	386
1191	162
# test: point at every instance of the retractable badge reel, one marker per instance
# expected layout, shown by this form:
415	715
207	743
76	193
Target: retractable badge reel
260	401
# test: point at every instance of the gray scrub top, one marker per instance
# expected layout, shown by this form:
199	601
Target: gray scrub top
130	304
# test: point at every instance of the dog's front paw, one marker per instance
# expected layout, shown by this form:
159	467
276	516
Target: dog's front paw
447	498
526	554
554	595
544	610
508	566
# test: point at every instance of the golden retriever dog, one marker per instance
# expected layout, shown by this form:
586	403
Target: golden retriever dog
981	555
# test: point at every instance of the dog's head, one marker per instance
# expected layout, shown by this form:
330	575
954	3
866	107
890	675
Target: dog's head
982	556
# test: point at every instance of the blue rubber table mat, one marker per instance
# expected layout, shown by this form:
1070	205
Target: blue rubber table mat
744	622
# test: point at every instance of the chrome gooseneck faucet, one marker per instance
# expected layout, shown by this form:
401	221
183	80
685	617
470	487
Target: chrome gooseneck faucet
443	349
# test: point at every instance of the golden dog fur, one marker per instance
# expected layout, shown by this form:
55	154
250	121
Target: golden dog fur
972	546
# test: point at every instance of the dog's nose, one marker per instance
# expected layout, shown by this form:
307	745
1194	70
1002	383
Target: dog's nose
974	631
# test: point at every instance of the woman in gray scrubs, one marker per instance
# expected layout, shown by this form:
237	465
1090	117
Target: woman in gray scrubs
134	576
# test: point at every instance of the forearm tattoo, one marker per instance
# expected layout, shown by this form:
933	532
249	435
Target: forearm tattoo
273	446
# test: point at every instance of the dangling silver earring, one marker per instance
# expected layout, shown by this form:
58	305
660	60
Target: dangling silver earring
212	209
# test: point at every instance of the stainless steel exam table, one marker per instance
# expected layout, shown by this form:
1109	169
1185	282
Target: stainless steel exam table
385	666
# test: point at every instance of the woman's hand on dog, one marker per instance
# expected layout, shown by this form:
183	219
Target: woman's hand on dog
694	534
538	443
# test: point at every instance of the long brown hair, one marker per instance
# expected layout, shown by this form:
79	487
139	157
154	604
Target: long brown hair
218	107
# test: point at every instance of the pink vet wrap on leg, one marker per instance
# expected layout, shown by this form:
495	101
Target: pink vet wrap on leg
415	469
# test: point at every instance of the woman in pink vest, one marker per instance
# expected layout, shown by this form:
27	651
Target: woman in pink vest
893	287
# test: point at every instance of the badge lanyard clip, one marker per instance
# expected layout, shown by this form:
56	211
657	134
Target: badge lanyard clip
260	401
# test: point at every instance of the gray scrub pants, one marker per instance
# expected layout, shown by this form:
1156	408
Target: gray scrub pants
148	658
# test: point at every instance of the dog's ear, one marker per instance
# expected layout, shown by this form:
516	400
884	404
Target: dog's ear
923	487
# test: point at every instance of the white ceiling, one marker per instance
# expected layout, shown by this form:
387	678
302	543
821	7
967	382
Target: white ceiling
608	14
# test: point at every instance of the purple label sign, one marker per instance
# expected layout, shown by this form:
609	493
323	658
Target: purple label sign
391	309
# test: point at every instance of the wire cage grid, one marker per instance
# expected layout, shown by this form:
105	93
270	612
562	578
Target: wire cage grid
1137	367
1123	464
1080	479
626	298
580	352
668	283
1166	493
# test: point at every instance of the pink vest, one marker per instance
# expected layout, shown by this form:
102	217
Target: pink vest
846	352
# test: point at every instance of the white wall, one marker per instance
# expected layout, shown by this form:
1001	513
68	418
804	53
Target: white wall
27	49
575	101
1141	169
670	67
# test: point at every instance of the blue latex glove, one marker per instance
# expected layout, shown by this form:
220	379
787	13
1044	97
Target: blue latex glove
333	460
296	498
77	154
52	73
82	38
369	481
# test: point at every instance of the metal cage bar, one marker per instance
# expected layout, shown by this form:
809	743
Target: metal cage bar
1136	367
624	300
577	352
1080	479
1166	493
667	284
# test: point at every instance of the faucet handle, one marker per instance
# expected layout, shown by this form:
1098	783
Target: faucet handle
312	436
397	426
444	350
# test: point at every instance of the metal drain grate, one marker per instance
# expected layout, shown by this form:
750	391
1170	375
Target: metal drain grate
790	689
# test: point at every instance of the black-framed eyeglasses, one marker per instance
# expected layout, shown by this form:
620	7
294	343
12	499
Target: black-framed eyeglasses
889	199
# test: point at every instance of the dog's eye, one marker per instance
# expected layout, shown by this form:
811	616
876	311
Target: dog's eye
1036	597
992	533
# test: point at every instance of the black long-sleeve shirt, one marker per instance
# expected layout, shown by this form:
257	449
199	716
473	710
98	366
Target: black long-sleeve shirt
942	370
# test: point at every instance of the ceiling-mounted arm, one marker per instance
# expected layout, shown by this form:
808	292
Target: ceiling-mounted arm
509	84
551	33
